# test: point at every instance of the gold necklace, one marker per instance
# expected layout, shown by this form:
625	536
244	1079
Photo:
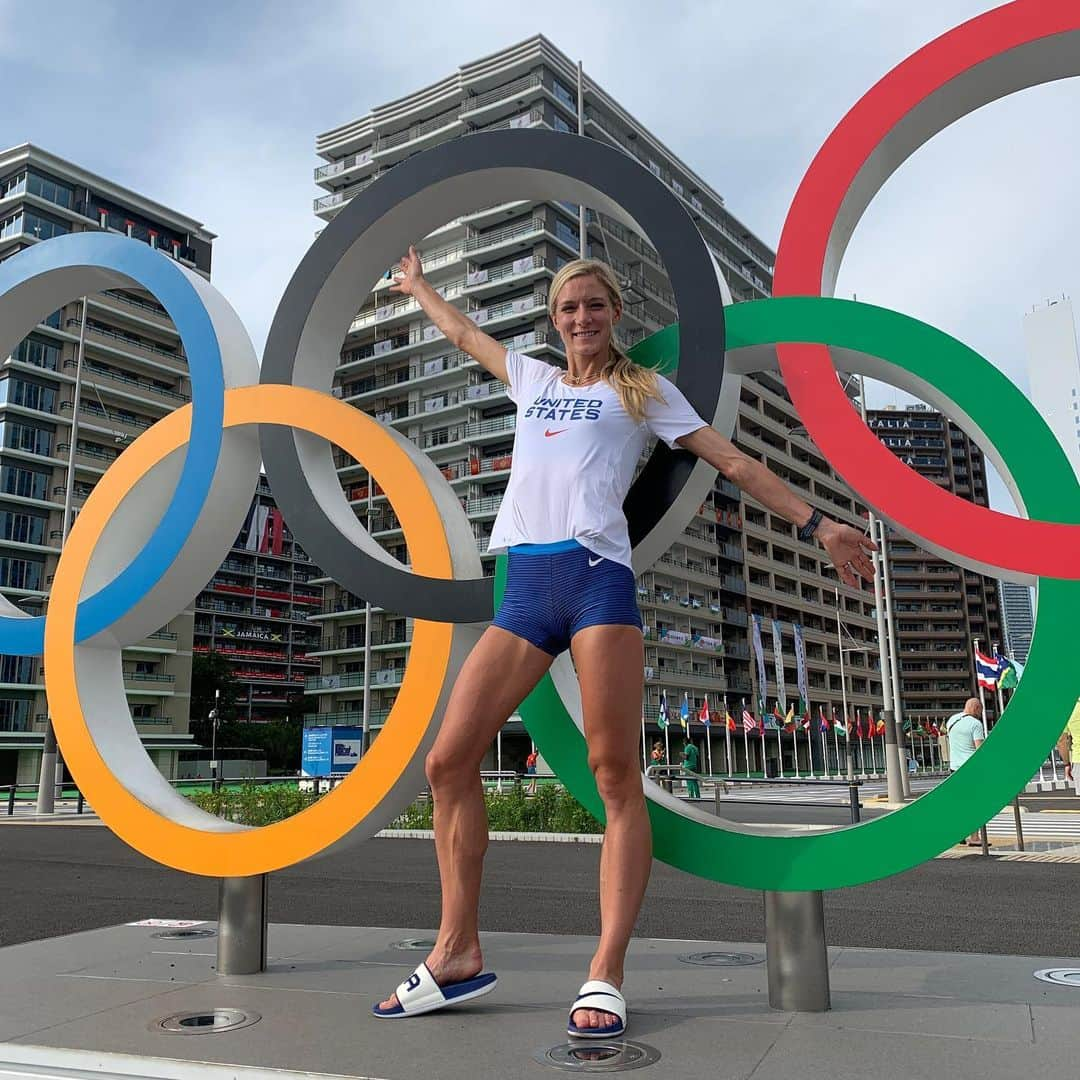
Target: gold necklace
573	380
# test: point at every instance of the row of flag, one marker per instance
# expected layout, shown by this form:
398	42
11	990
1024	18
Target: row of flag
997	671
790	722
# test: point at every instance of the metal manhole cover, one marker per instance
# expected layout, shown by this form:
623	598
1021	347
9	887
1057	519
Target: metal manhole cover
206	1021
722	959
184	935
1060	976
415	943
598	1056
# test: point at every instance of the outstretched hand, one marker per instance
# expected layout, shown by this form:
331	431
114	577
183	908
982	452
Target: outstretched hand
849	549
408	273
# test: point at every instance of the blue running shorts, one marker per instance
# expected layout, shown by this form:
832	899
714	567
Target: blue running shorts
555	590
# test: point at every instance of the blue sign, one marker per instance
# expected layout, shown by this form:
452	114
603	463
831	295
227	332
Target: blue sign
317	751
330	751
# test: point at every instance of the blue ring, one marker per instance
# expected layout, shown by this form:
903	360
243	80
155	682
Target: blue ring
161	276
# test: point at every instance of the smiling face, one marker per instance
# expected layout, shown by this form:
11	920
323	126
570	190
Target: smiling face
584	316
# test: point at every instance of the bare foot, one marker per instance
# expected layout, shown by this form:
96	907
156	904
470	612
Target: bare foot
447	969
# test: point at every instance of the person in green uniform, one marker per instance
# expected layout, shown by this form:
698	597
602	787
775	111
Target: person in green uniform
690	764
1069	746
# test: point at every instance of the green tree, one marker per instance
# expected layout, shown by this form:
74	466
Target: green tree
210	672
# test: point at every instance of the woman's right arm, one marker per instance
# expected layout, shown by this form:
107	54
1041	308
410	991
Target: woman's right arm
458	327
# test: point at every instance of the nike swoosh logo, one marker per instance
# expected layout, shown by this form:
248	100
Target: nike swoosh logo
596	563
548	434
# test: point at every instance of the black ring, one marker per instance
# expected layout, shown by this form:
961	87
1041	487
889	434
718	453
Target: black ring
416	197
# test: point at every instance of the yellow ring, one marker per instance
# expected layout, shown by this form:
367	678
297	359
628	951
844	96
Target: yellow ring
237	851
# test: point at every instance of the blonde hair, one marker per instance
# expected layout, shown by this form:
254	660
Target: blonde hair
634	384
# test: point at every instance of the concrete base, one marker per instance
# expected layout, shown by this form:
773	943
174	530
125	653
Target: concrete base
87	1005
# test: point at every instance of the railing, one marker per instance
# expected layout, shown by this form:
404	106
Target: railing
506	234
468	431
507	90
143	384
133	342
416	131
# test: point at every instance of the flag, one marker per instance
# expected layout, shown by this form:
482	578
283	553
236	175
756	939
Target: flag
1009	672
749	723
858	724
840	726
986	670
759	656
684	713
800	668
704	716
823	720
730	720
789	720
662	717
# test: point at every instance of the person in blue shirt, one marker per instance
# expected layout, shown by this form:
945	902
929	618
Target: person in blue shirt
966	735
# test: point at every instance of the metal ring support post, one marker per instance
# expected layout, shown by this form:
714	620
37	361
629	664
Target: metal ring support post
796	957
242	925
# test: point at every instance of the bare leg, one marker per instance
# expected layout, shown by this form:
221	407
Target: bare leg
495	679
610	665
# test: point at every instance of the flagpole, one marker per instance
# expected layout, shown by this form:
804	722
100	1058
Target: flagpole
1001	704
978	682
780	751
727	738
745	738
809	741
644	744
836	741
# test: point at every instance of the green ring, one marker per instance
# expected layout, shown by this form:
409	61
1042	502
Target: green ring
1034	719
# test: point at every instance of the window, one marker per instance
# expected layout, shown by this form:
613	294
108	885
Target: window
561	124
52	190
28	483
564	95
17	669
31	395
22	527
39	352
566	233
21	573
18	436
15	714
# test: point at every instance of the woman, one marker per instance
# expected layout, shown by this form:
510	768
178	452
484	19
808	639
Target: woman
578	438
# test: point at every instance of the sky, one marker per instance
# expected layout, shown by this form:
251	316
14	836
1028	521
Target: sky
213	109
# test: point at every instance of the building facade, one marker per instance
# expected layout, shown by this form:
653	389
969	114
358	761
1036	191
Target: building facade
1053	368
134	372
496	264
254	612
941	609
1018	618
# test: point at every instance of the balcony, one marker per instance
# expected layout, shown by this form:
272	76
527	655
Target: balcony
128	341
461	432
505	94
515	233
119	378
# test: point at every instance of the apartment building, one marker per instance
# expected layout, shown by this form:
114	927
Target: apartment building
941	609
496	263
134	372
254	612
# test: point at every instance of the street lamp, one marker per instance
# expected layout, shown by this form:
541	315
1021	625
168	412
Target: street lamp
214	719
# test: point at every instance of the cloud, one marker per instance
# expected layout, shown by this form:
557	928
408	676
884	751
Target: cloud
214	109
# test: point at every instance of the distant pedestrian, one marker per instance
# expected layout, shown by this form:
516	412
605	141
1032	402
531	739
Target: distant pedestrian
690	764
1069	747
966	735
658	757
530	771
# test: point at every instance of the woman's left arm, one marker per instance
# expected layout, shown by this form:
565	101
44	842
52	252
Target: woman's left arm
847	547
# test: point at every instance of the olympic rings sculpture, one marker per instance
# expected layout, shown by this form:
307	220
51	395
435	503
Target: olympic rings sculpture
161	518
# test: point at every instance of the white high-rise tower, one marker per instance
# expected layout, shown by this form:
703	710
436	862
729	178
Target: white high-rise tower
1054	372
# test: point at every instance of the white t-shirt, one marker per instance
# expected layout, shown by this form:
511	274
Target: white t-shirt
575	452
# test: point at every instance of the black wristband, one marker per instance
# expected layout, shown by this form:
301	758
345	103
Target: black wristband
806	533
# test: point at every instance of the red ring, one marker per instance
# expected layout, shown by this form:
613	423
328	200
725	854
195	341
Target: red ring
915	503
